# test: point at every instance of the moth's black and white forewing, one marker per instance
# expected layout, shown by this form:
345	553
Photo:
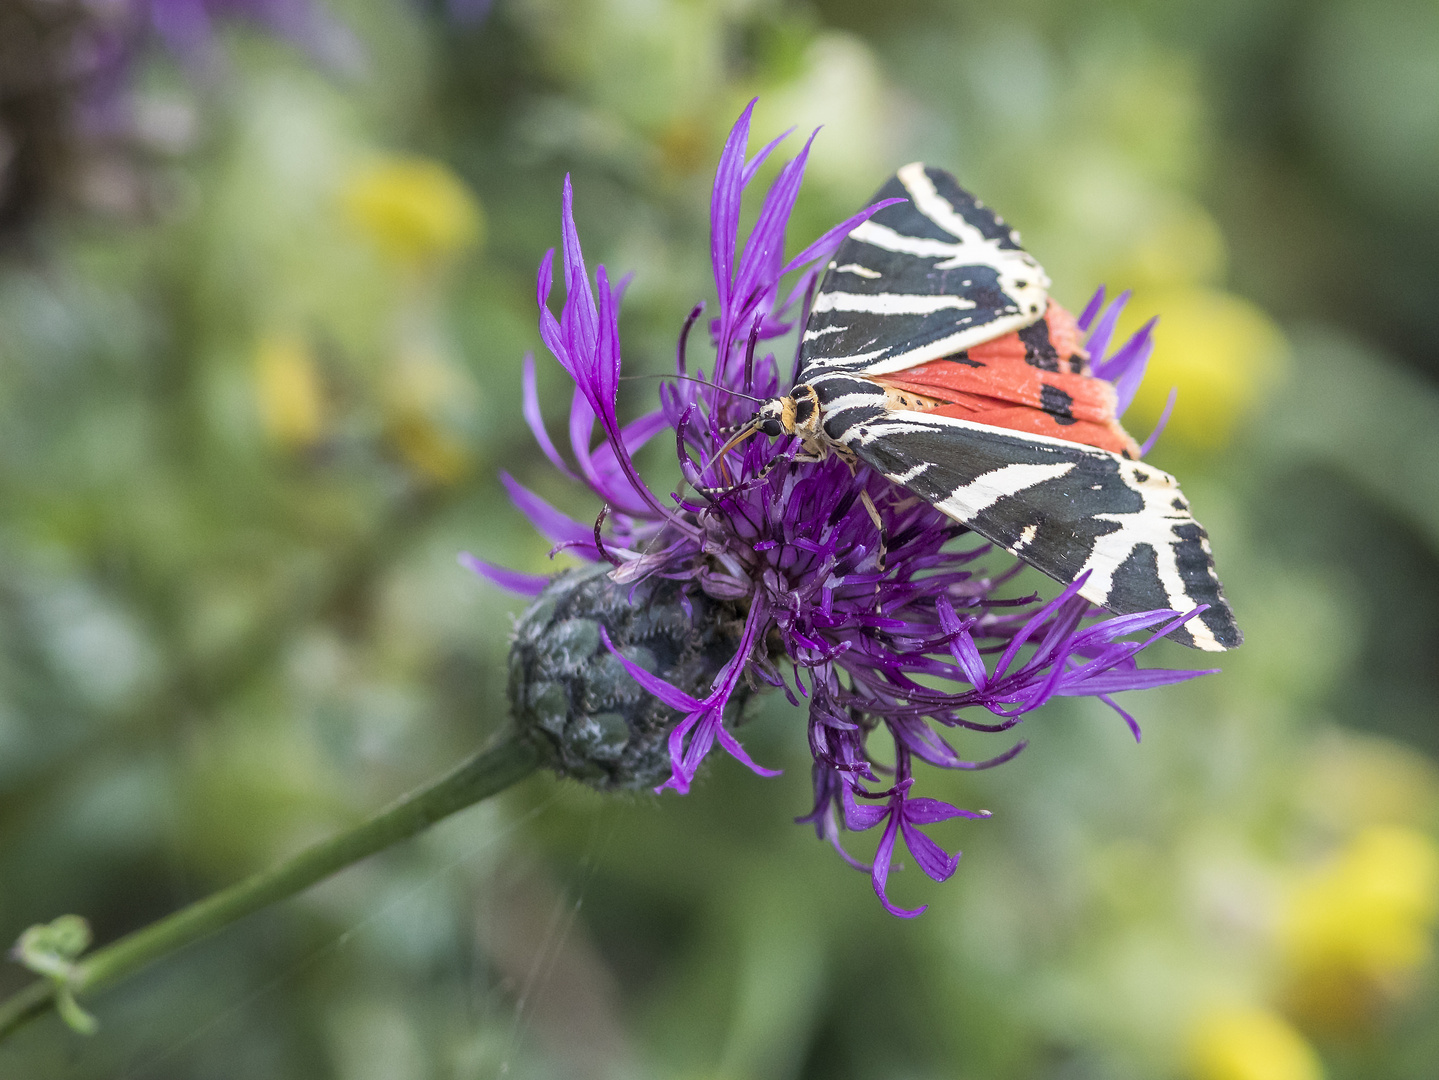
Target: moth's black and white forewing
1063	508
919	280
927	279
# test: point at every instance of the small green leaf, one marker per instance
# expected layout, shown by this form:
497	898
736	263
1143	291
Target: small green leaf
50	949
76	1018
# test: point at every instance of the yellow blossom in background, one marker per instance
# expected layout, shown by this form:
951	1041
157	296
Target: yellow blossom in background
426	398
1356	934
415	210
1249	1044
1222	352
288	387
428	449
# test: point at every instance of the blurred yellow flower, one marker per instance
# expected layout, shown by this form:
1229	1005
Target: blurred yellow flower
1358	931
1222	353
1250	1044
428	449
426	398
290	394
415	210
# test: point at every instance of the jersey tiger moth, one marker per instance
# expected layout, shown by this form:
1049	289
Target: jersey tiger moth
933	354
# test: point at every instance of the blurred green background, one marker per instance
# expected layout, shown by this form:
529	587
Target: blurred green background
263	301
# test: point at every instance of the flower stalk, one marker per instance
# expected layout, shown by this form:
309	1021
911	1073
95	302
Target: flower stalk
486	773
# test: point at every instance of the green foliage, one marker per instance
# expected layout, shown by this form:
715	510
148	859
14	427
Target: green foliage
247	421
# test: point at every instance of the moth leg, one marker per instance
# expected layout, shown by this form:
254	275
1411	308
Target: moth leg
878	524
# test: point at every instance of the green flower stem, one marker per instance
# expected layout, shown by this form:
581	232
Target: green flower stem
488	772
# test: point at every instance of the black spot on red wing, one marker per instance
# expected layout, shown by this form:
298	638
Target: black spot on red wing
963	358
1039	351
1057	403
1076	364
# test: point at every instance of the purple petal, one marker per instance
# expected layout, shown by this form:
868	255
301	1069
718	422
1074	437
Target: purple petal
861	816
725	204
765	247
525	584
961	645
925	811
579	301
879	875
1098	339
1091	309
832	237
681	775
1148	444
1132	723
930	857
1129	373
1035	622
1113	682
545	280
672	696
531	409
755	162
736	751
582	433
552	524
633	436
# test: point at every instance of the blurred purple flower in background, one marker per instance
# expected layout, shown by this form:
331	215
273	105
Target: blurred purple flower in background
895	625
118	32
67	69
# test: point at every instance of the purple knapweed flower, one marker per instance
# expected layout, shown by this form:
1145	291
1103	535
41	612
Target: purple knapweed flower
891	626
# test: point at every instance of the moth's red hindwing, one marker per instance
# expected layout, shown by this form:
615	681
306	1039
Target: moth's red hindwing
1035	380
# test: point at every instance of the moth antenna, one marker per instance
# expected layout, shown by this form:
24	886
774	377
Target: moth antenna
744	433
783	459
702	382
751	428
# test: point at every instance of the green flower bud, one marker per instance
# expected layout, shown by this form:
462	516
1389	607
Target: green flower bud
573	699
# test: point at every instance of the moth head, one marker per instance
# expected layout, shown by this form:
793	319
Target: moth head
775	417
797	414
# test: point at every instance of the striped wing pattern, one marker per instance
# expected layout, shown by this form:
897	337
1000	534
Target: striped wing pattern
1063	508
940	274
919	280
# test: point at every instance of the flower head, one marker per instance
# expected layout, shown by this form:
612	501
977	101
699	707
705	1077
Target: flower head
849	595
